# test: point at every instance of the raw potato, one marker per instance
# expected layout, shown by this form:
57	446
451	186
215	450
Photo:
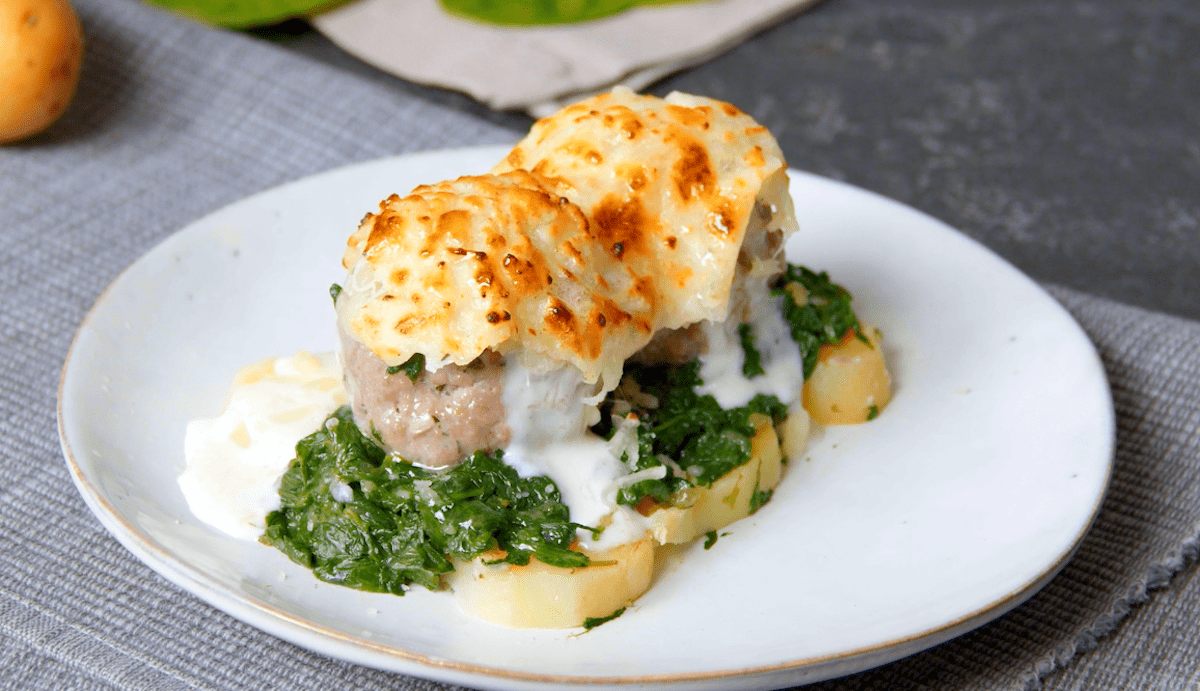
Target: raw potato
727	500
41	49
549	597
850	381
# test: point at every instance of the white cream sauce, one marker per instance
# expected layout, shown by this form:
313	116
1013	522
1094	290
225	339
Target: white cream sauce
721	366
548	414
234	461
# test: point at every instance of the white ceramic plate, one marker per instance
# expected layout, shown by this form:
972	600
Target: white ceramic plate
967	495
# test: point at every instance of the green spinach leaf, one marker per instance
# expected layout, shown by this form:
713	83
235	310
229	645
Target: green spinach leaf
365	519
592	622
752	365
825	316
412	366
704	439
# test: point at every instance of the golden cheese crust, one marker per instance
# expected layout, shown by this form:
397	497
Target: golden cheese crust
491	262
671	187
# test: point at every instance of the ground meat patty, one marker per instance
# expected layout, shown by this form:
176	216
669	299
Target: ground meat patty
673	346
436	420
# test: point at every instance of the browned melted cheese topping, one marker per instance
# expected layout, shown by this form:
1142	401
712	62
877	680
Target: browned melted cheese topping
615	218
492	262
668	187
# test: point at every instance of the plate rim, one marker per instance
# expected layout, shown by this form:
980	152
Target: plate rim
294	628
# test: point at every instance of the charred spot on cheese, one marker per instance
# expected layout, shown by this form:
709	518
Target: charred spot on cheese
722	220
693	173
384	226
623	120
583	151
755	157
636	176
623	224
690	117
559	317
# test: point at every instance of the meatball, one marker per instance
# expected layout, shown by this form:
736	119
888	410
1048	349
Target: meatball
435	420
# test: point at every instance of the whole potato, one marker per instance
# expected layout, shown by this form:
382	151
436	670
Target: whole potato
41	49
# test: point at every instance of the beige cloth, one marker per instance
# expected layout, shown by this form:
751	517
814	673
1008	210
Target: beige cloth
538	69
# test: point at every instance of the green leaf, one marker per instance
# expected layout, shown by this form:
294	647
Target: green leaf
705	439
242	14
825	316
334	291
710	539
542	12
592	622
390	524
752	366
412	366
759	498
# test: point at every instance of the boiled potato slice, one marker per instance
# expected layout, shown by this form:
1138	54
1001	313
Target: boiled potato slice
851	383
698	510
794	432
550	597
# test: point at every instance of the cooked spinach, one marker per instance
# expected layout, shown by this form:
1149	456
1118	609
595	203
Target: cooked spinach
759	498
412	366
706	440
334	291
825	316
592	622
752	365
360	517
710	539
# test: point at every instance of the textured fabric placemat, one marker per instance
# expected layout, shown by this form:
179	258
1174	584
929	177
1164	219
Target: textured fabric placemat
175	120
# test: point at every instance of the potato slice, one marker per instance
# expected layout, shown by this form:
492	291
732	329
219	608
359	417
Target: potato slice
698	510
549	597
851	383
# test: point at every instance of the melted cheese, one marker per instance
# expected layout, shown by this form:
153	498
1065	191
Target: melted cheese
672	187
491	262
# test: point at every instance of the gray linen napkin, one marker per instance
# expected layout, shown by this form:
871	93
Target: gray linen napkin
175	120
